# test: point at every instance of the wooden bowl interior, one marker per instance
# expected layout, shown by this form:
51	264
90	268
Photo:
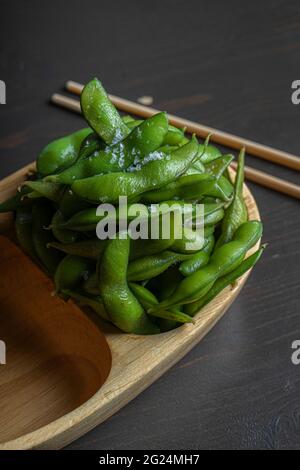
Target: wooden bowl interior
56	361
56	358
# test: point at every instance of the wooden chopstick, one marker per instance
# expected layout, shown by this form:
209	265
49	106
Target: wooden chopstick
220	137
272	182
251	174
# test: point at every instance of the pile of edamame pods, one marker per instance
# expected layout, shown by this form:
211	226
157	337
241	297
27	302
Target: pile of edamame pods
143	286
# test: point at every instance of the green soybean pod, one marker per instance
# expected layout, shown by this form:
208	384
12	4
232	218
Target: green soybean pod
199	260
140	247
121	305
196	168
71	271
214	217
224	260
62	235
225	281
137	146
208	153
101	114
236	214
148	300
151	266
60	153
91	284
226	186
52	191
68	205
174	136
91	248
218	166
94	302
127	119
42	213
154	174
166	285
167	148
148	136
14	202
71	204
23	227
191	241
188	187
87	219
82	221
221	189
90	144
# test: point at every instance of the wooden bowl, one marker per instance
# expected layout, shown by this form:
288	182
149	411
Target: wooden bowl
66	371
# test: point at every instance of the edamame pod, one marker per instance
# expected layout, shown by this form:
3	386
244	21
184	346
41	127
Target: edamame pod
23	227
62	235
222	189
214	217
224	281
88	219
218	166
60	153
236	213
154	174
185	187
71	271
101	114
148	300
47	189
208	153
14	202
173	138
121	305
151	266
142	141
91	248
71	204
91	284
90	144
41	217
140	248
191	241
199	260
94	302
224	259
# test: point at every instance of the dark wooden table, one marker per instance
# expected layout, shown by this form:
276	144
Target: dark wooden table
226	64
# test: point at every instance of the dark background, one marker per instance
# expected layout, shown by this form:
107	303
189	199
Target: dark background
225	64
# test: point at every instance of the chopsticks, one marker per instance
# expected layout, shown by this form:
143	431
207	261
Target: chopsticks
220	137
271	182
223	138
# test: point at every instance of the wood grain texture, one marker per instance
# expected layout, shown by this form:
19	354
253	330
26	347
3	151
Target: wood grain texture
56	358
238	388
58	364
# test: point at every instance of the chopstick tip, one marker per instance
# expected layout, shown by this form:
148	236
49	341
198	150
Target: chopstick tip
69	84
54	97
